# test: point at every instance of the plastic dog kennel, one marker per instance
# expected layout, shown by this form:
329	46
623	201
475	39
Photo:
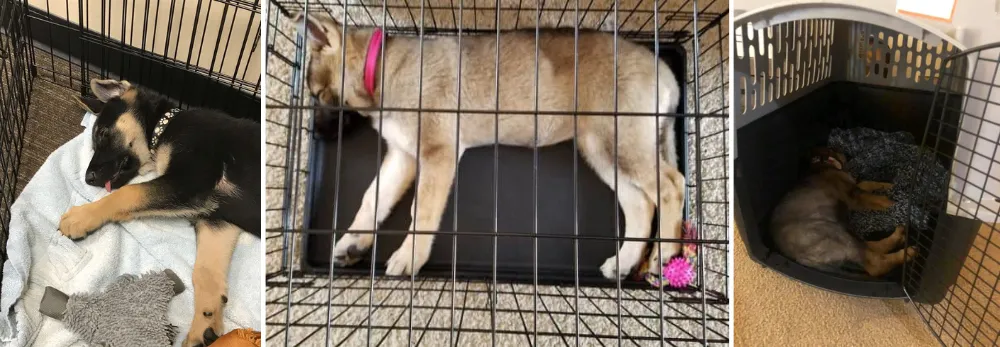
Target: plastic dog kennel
199	53
516	259
805	69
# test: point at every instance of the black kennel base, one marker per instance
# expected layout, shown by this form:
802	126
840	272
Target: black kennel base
772	152
515	212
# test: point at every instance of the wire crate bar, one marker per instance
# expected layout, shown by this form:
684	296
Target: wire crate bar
457	301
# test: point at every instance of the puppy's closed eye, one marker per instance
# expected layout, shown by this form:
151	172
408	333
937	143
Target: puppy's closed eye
326	97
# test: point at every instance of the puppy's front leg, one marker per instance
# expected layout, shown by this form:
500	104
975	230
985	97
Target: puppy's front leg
395	176
437	171
216	241
131	201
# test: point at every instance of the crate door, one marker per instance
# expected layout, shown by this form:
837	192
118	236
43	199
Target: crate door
953	280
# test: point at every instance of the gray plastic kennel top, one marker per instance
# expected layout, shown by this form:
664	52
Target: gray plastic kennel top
974	22
784	51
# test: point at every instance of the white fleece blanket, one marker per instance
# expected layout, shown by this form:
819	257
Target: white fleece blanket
40	256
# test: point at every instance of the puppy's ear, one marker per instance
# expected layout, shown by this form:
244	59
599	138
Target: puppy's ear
108	89
90	104
323	31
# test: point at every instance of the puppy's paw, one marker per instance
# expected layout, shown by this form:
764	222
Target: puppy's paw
79	221
207	338
619	267
405	261
206	326
667	249
209	299
350	249
901	234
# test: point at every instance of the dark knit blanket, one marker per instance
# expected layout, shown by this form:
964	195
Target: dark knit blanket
920	183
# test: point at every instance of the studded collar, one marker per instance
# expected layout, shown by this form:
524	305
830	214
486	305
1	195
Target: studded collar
158	130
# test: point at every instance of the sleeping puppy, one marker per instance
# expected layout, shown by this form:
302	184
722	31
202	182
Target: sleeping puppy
646	159
208	167
810	223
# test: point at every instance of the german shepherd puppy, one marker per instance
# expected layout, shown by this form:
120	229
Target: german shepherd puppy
810	223
208	167
641	188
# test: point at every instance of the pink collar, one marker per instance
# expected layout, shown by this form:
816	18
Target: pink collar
371	61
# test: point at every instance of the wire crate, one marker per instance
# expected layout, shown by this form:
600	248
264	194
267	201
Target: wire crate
831	66
197	53
16	77
541	287
201	54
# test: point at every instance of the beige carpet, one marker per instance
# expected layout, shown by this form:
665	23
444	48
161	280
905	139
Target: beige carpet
772	310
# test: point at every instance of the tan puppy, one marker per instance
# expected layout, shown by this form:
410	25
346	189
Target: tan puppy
398	85
809	225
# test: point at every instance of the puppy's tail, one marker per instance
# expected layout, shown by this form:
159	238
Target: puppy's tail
668	140
669	99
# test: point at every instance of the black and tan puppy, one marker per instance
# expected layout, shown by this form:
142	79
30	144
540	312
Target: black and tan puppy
810	223
208	170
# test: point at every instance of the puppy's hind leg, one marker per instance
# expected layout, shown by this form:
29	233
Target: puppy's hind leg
216	241
878	264
395	176
638	209
671	206
887	244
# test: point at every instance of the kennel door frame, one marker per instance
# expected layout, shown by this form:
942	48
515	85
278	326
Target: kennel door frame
949	328
988	189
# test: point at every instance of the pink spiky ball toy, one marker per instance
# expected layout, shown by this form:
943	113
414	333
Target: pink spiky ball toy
678	272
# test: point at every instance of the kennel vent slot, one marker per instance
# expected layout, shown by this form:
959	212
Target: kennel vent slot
783	61
886	58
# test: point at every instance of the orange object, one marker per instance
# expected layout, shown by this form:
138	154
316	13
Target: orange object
239	338
948	19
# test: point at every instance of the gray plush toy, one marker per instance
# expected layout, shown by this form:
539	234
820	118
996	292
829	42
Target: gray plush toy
132	311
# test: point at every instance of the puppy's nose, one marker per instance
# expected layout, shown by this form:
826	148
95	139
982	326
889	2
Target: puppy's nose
209	336
91	177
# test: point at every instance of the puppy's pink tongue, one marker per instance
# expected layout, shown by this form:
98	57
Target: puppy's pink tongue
107	185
